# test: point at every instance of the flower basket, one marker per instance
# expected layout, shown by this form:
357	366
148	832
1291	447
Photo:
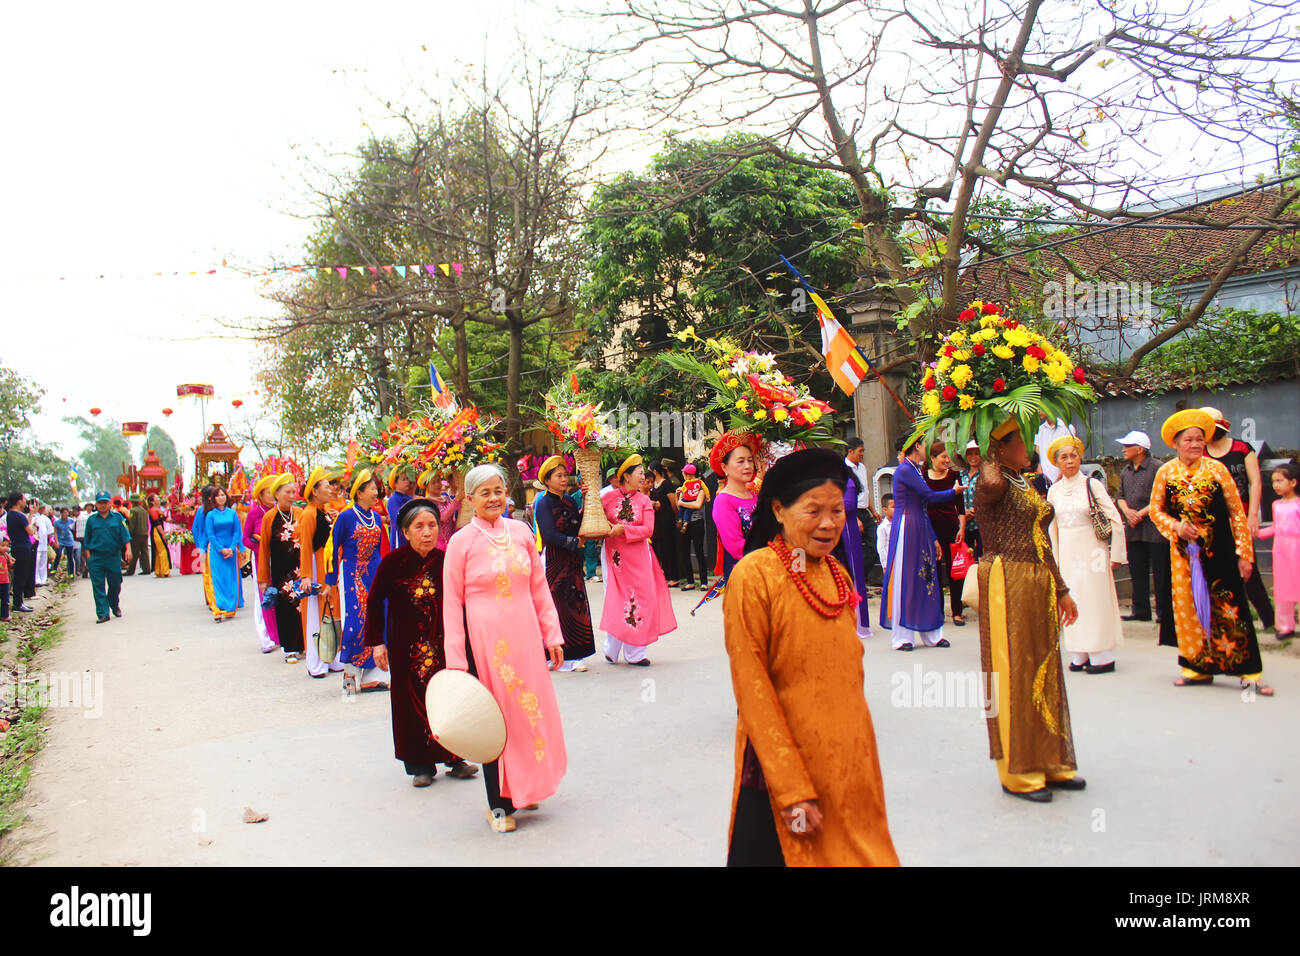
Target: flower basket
753	394
581	427
594	521
992	369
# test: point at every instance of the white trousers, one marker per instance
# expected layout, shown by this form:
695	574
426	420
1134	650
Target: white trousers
315	666
42	566
631	652
905	635
1095	658
259	616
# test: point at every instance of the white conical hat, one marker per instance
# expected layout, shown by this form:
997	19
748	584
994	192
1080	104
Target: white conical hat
464	716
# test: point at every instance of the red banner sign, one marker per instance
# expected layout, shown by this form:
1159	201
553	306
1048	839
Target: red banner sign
206	391
135	428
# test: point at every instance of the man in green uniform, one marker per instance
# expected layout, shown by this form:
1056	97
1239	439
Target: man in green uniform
106	536
138	524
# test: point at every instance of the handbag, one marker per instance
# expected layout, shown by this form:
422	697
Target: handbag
1100	523
970	590
327	638
962	560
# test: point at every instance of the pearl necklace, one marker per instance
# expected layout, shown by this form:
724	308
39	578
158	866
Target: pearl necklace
825	607
501	542
363	520
1016	479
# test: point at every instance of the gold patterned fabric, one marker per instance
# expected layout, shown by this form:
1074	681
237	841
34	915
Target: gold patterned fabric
798	677
1013	521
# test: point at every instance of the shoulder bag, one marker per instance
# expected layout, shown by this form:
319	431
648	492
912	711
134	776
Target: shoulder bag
1101	526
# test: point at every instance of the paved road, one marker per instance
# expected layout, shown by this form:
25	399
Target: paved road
196	725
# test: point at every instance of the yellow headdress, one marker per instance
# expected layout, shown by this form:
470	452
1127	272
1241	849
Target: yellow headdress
630	462
549	466
1187	418
1065	441
279	481
362	477
263	484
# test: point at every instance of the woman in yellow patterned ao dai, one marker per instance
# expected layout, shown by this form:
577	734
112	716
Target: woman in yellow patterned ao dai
495	587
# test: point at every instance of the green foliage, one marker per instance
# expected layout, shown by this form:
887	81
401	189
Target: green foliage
310	393
693	242
103	452
162	443
1227	347
26	464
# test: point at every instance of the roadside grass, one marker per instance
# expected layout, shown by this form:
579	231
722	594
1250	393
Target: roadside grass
22	639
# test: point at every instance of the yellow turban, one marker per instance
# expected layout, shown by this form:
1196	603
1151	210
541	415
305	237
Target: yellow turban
549	466
319	474
1187	418
631	462
362	477
1006	428
279	481
1065	441
263	484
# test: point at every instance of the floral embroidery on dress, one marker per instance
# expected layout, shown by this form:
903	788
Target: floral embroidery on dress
632	610
625	512
528	701
618	559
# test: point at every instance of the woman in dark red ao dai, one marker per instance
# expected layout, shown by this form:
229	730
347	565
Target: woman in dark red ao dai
406	596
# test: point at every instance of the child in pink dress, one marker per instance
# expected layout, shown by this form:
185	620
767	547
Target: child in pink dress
1285	532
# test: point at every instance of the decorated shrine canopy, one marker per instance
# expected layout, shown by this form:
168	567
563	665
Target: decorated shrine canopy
215	450
152	476
134	428
206	391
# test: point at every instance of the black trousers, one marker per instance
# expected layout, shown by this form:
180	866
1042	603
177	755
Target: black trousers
24	575
693	539
4	602
491	772
139	556
945	575
869	557
753	835
1147	559
1258	596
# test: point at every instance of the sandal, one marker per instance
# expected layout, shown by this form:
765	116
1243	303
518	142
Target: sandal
688	587
959	620
292	658
1188	682
501	824
1260	687
349	686
462	770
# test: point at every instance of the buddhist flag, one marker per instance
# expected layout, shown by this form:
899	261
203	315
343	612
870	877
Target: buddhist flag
848	366
442	396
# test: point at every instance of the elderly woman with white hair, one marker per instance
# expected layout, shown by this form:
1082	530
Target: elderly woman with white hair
1086	561
501	626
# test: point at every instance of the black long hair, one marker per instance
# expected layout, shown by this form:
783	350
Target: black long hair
205	497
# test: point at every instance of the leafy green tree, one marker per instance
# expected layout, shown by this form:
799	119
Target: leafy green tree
103	452
696	241
162	443
26	464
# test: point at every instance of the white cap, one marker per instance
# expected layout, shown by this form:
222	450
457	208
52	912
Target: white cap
1136	438
972	444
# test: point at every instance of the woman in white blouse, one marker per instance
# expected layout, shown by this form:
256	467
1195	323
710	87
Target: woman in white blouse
1086	563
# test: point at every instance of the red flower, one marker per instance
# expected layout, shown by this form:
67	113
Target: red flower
928	384
1012	323
966	315
999	385
948	350
949	393
979	349
1036	352
1078	375
992	308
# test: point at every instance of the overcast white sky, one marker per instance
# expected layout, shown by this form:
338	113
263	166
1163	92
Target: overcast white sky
151	137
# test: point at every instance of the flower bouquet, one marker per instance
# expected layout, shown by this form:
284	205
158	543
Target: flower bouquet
755	395
180	536
581	427
464	441
994	368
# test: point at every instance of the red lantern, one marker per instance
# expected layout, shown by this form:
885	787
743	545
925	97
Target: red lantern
167	413
237	402
95	412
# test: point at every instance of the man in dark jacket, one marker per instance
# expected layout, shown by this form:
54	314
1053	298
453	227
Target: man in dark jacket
138	524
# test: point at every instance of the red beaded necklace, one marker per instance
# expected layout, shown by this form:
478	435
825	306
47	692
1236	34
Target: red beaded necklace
844	592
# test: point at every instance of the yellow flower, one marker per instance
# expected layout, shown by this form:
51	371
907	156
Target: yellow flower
945	363
812	414
930	403
965	402
732	383
684	334
760	414
711	343
780	415
960	355
1018	337
957	338
1004	351
1056	373
962	375
742	403
1031	364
